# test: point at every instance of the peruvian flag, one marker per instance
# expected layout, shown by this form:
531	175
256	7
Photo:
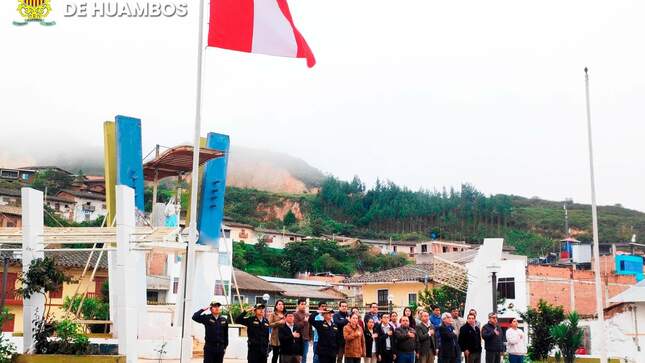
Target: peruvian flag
257	26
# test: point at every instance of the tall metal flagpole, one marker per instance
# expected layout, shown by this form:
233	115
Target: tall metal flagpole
186	336
602	336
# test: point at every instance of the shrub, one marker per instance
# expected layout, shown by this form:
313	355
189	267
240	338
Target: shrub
92	309
540	321
7	348
568	336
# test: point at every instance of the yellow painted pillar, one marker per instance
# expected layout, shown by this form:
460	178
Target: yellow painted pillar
109	147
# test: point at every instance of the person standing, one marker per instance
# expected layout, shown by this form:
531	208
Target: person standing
385	340
302	322
435	318
474	313
290	338
372	314
426	347
516	343
457	323
354	340
408	312
341	318
448	350
322	306
394	319
328	335
216	328
493	340
257	327
371	339
405	340
360	320
276	321
470	340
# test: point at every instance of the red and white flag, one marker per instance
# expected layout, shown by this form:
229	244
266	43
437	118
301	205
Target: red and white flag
257	26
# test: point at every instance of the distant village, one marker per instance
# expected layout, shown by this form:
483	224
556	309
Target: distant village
565	279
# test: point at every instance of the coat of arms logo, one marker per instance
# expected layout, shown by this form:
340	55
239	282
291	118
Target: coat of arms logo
34	11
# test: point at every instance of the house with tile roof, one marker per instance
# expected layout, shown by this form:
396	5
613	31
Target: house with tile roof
72	263
396	287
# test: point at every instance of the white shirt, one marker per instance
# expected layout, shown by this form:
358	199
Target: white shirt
516	342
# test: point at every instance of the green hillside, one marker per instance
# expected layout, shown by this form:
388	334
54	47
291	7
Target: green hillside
390	211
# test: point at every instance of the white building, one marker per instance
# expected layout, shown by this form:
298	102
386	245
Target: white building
512	284
624	325
88	205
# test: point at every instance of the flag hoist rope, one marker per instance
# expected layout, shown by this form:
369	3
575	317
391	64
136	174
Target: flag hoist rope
186	338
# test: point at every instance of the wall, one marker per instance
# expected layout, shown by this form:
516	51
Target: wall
398	290
244	234
553	284
514	268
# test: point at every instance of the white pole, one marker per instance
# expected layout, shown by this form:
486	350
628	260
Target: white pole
186	338
596	250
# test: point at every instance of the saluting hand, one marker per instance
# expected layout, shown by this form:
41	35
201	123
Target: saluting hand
206	308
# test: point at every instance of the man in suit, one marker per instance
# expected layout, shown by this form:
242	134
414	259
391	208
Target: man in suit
426	347
470	340
290	341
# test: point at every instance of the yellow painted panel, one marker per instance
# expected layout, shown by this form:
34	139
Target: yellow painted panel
109	147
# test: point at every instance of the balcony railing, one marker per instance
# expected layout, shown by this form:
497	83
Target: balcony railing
13	298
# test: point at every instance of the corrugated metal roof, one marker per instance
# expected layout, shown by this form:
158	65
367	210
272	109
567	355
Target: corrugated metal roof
635	293
177	160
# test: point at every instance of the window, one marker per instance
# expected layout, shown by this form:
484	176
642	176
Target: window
7	325
424	248
411	250
259	300
412	299
292	238
57	294
175	285
221	289
444	249
382	297
394	249
506	287
98	285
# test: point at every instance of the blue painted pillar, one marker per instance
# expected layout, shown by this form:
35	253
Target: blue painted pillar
211	203
129	158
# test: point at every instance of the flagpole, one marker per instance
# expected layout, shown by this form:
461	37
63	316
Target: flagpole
186	350
596	249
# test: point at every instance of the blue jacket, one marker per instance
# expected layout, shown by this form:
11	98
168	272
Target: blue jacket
436	321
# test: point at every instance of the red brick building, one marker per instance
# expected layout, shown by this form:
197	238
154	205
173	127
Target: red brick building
555	284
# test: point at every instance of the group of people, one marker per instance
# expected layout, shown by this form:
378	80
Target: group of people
374	338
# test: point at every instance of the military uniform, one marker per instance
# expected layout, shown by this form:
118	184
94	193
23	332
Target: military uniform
258	337
329	336
216	336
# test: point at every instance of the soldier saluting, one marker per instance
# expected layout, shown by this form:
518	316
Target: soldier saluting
258	333
216	327
329	335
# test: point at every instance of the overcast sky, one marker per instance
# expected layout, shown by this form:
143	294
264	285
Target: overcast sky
424	93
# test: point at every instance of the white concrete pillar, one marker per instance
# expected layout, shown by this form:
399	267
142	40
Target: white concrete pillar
113	296
126	319
32	245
